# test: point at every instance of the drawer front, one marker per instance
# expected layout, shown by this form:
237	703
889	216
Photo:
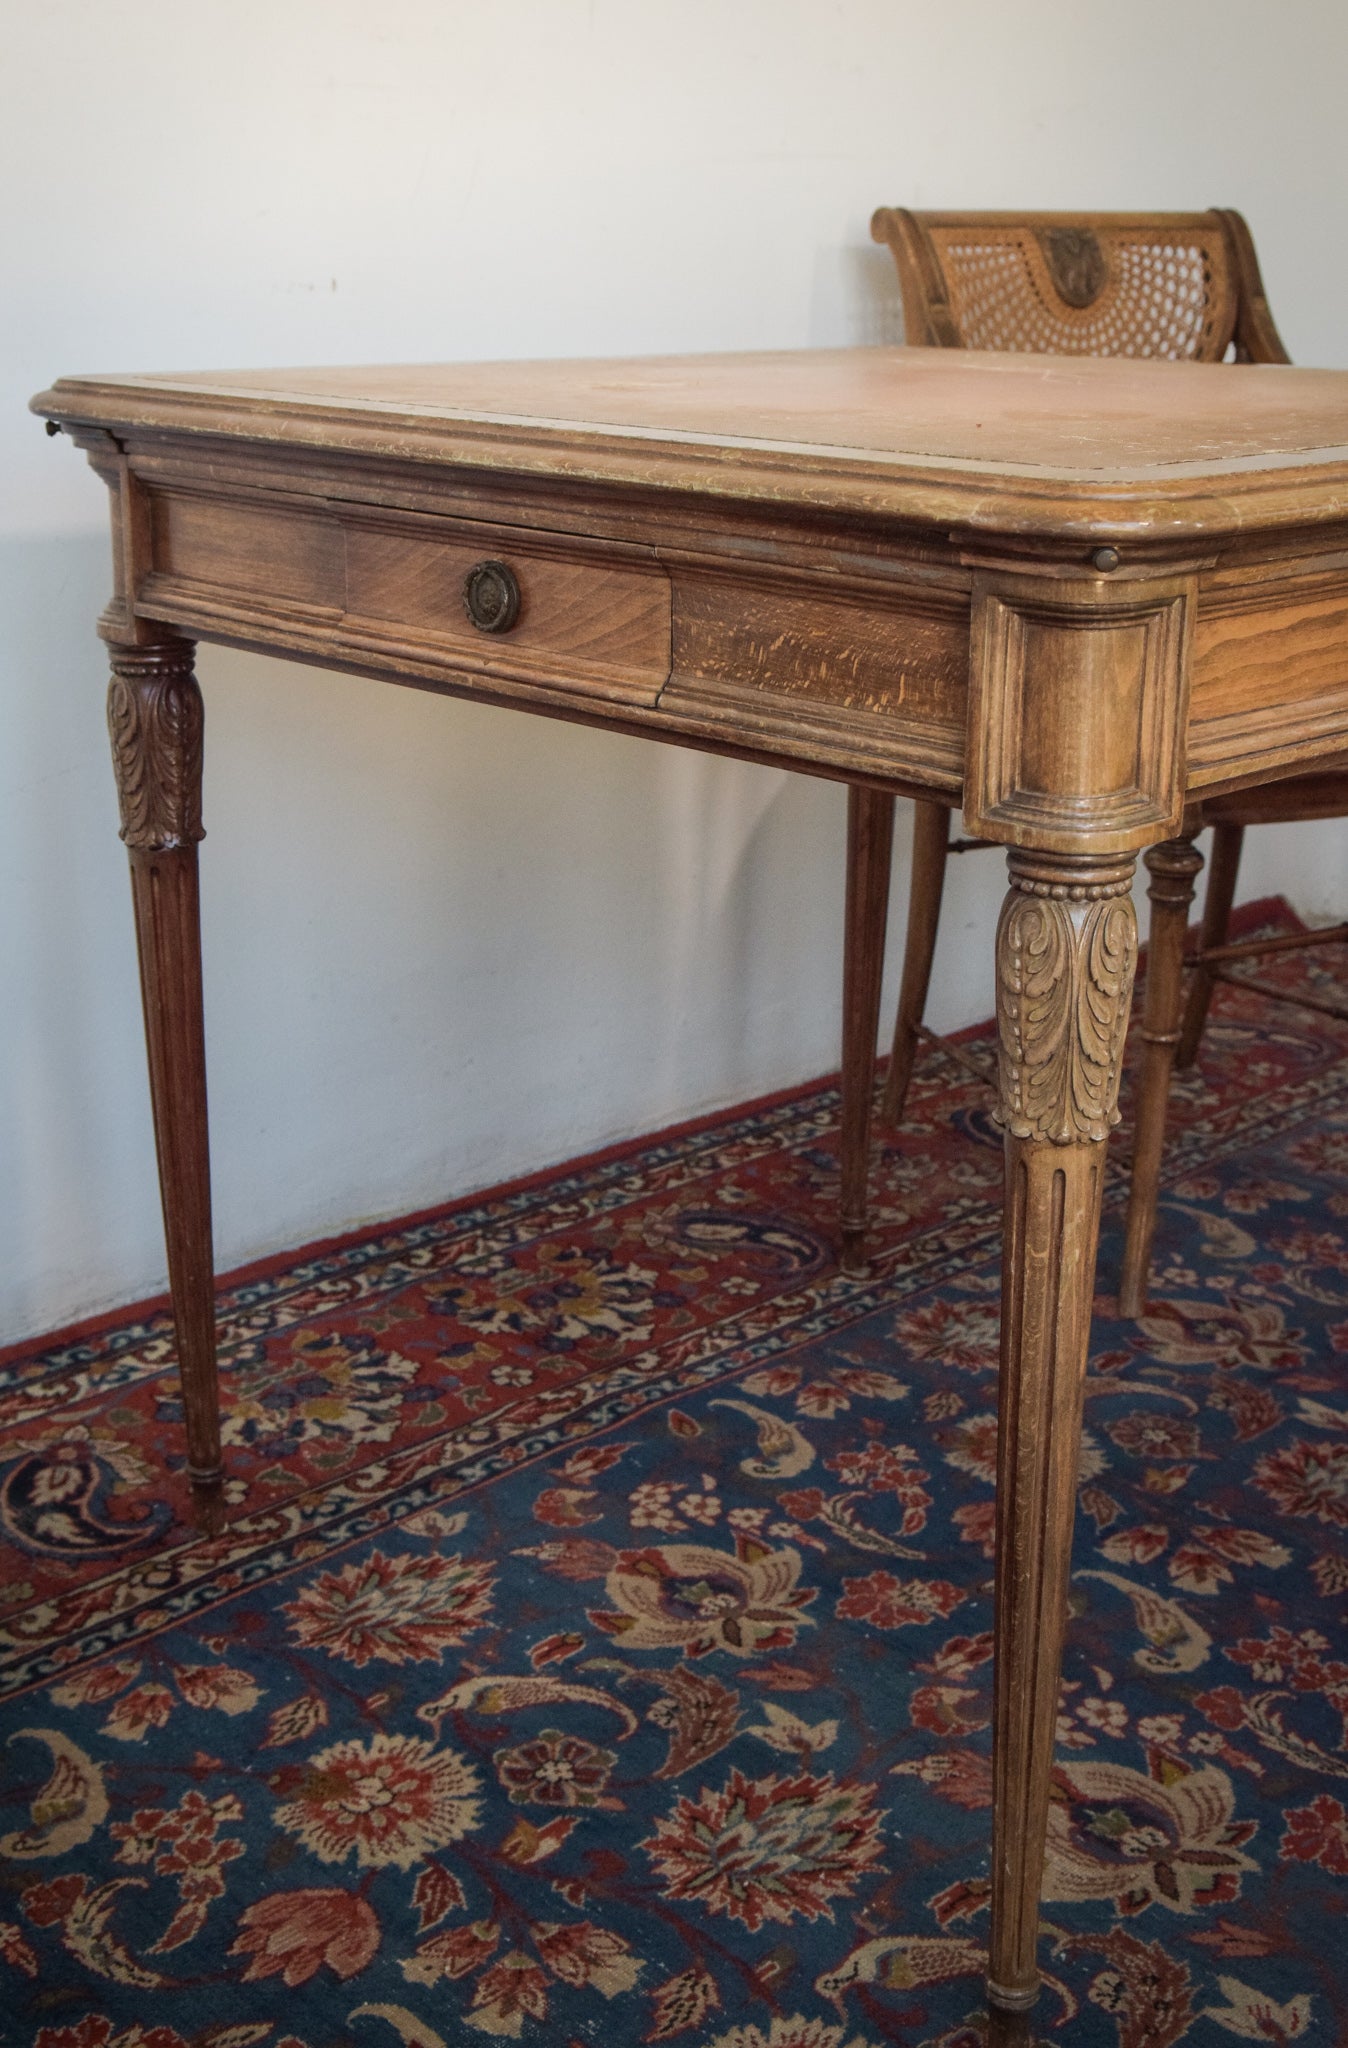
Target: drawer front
585	618
591	618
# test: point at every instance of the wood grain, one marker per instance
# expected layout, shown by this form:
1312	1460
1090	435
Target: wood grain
992	442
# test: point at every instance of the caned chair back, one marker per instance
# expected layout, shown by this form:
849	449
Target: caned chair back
1180	285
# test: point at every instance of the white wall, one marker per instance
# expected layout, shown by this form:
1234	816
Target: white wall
446	944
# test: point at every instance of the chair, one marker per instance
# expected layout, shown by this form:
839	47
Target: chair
1178	285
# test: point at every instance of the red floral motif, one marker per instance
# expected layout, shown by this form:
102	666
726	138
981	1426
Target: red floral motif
217	1685
803	1503
392	1800
1307	1247
1318	1833
682	2002
512	1991
887	1602
959	1656
975	1447
1148	1435
977	1523
888	1468
960	1775
15	1949
1136	1546
294	1933
949	1709
1307	1479
1330	1573
770	1848
1223	1706
455	1953
184	1843
585	1465
1281	1658
566	1507
134	1715
436	1892
1252	1409
556	1770
581	1953
295	1721
403	1609
94	2031
99	1682
48	1904
958	1333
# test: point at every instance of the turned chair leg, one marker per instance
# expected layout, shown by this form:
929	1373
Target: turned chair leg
931	838
870	842
1227	841
1174	868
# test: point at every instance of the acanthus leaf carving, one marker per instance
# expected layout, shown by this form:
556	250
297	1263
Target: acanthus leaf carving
1065	962
155	722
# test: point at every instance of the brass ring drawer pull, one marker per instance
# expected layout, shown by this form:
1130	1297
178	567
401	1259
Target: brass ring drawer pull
491	596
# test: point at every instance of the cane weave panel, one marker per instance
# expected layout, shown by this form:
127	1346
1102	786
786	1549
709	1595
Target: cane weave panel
1161	295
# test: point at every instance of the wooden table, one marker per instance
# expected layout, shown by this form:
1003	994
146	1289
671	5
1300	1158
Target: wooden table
1070	592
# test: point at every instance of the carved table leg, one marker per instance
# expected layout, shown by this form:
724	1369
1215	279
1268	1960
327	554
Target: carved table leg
1066	949
870	843
155	721
1174	868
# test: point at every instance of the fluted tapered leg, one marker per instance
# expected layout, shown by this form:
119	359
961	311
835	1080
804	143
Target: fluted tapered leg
1174	868
1066	950
155	722
870	843
931	839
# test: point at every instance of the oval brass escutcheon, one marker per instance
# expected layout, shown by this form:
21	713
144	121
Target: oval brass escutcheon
491	595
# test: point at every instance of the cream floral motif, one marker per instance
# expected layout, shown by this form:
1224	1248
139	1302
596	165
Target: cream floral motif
1227	1334
1309	1479
403	1609
770	1848
796	2032
682	1596
1119	1835
392	1800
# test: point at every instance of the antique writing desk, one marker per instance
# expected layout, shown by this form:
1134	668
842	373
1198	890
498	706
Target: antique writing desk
1068	592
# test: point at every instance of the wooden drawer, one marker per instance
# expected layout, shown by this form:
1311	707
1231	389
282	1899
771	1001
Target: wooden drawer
593	618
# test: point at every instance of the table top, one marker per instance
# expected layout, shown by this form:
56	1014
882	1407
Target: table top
911	432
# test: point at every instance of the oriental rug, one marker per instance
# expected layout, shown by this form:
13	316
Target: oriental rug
598	1648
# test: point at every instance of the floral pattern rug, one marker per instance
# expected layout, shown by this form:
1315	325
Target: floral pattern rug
599	1646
